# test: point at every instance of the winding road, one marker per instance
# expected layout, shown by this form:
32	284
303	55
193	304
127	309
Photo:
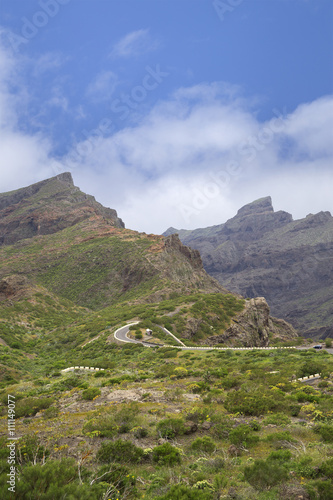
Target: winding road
121	335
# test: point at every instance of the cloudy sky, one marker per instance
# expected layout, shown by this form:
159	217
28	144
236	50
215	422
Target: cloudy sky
173	112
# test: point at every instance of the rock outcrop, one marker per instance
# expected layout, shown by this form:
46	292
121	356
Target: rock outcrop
255	327
260	252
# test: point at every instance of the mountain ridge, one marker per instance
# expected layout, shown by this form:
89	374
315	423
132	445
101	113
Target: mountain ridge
260	252
59	239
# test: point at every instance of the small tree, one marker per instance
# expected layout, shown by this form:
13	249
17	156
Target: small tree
328	342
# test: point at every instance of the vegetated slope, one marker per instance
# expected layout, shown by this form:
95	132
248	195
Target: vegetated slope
163	424
260	252
51	284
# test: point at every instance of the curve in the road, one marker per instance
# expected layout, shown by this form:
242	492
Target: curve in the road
121	335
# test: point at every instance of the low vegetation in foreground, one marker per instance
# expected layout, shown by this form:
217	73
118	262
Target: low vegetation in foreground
161	423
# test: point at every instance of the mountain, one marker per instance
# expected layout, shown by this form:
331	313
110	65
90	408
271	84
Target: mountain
267	253
64	257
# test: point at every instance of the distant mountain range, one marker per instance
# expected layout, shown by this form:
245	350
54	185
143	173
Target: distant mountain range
267	253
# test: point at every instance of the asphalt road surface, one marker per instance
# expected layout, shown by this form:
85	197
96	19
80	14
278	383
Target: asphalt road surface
121	335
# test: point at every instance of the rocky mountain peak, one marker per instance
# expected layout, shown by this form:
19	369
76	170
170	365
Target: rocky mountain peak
64	177
47	207
262	205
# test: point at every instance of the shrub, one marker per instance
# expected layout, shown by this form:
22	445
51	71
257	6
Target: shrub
255	426
326	468
28	407
139	432
277	419
205	444
251	403
166	454
103	426
125	418
326	432
304	469
242	436
91	393
170	427
55	479
263	474
180	372
321	490
120	450
29	449
280	456
280	436
182	492
68	383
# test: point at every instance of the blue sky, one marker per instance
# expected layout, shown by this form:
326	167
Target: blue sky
190	107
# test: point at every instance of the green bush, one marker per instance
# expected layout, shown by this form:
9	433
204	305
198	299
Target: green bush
28	407
243	436
103	426
263	475
326	432
254	403
280	436
170	427
119	451
68	383
277	419
255	426
91	393
139	432
30	450
204	444
326	468
182	492
303	468
54	480
320	490
166	454
280	456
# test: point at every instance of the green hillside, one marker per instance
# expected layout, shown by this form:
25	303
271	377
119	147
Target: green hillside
168	421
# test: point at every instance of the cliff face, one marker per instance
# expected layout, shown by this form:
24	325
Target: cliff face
47	207
254	326
260	252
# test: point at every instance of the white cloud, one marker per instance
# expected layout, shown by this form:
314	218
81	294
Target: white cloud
133	44
192	161
103	86
197	158
50	61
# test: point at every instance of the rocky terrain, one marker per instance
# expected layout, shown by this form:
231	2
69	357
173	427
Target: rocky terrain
58	243
260	252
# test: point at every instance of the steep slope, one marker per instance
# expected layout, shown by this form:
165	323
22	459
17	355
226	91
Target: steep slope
48	207
61	238
260	252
